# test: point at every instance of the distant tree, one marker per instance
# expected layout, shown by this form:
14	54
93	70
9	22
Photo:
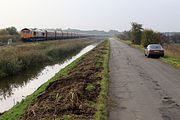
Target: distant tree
176	37
12	30
136	32
3	32
165	39
150	37
9	33
113	32
125	35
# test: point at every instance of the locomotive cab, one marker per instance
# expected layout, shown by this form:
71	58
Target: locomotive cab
26	34
30	35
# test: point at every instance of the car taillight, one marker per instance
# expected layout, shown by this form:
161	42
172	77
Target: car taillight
156	50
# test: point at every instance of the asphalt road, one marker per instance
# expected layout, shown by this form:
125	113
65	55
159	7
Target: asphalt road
141	88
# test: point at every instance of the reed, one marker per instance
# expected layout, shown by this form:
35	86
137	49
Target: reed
16	59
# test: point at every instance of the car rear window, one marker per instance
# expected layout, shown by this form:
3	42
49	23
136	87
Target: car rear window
155	47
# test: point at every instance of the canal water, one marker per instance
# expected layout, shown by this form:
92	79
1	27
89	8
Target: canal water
14	89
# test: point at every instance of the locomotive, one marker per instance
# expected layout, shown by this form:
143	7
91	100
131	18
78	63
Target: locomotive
31	35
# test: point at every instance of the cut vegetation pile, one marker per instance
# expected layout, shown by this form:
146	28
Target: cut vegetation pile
16	59
79	95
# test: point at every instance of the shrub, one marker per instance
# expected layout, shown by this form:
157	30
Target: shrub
9	33
150	37
136	32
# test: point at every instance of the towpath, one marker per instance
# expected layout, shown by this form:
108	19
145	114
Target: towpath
141	88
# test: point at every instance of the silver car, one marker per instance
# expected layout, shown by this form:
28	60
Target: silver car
154	50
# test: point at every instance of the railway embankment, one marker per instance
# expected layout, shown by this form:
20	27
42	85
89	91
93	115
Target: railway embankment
16	59
79	91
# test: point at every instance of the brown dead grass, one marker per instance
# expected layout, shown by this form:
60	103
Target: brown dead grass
172	50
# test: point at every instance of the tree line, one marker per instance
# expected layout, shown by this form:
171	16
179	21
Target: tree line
9	33
140	36
173	37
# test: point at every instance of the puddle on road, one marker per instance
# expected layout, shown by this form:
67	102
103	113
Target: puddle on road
14	89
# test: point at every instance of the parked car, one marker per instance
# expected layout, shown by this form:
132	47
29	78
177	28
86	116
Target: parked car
154	50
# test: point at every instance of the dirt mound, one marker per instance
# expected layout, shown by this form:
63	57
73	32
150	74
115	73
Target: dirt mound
73	96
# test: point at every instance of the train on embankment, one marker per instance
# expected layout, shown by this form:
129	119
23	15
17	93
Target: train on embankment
32	35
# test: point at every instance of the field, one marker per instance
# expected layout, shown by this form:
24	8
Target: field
77	92
173	49
15	59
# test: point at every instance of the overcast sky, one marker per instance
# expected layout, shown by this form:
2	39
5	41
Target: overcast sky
160	15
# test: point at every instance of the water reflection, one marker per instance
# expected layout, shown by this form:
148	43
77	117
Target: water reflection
8	84
14	89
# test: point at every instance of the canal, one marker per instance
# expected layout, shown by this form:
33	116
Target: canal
16	88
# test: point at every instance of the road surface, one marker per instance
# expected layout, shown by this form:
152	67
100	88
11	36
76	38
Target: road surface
141	88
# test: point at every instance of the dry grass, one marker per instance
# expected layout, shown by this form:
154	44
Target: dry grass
172	54
172	50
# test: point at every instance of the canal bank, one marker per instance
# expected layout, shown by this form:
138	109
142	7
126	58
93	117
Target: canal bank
89	67
17	88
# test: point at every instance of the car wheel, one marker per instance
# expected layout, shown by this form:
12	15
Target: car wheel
148	55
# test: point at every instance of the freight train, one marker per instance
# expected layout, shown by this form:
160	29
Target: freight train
31	35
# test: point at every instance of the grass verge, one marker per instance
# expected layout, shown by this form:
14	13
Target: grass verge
101	113
141	48
172	60
169	58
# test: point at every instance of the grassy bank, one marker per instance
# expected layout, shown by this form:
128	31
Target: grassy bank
172	53
79	91
15	59
101	105
133	45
